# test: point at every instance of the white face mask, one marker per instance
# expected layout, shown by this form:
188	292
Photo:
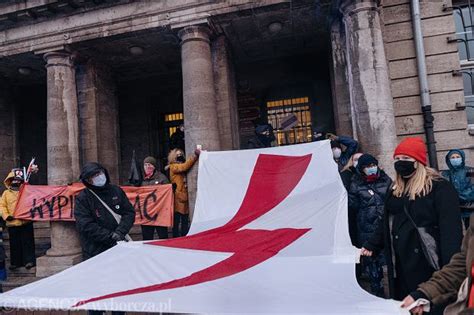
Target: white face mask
99	180
336	152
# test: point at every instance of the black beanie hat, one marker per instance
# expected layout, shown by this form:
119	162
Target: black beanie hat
365	160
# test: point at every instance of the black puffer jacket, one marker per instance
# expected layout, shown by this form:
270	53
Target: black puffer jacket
93	221
367	200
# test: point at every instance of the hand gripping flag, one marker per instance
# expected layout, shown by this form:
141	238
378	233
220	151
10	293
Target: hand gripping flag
269	235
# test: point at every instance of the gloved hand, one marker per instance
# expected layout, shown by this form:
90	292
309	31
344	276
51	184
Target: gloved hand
116	237
197	152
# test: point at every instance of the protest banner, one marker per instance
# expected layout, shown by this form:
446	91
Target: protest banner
153	204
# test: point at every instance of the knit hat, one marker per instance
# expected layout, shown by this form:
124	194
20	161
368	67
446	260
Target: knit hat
151	160
365	160
414	148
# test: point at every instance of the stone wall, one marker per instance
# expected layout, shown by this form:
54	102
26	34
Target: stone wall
98	112
8	133
442	59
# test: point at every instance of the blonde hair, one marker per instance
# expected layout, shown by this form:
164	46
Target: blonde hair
173	155
350	163
419	185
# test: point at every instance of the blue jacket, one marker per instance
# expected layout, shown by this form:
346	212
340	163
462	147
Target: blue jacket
459	177
351	148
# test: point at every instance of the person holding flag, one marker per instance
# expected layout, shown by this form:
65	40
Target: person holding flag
22	240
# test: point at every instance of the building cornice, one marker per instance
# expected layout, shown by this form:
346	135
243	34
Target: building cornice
100	23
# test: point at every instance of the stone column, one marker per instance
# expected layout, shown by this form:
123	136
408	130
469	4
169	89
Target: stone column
226	94
199	103
340	85
98	117
63	157
369	82
8	132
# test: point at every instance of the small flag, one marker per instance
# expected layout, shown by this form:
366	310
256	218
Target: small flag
136	176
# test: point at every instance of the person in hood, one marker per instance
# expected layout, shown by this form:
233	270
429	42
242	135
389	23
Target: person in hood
179	166
177	139
419	198
153	176
22	239
340	155
367	194
460	176
263	137
98	227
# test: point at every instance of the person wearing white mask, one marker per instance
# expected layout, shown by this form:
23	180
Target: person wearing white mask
103	213
96	208
342	157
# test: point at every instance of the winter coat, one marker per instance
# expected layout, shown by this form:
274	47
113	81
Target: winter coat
178	177
439	212
93	221
351	148
459	177
444	285
8	202
367	199
158	178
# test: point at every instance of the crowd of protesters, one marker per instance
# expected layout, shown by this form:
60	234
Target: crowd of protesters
410	224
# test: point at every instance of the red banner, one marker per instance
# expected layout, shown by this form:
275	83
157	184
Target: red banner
153	204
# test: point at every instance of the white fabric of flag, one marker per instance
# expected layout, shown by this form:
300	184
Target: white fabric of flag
269	235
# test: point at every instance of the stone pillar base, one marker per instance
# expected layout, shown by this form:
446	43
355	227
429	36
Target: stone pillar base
49	265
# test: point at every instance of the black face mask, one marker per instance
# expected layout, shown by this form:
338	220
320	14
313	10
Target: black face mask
404	168
181	159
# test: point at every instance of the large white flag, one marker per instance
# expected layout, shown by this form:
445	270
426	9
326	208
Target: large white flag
269	235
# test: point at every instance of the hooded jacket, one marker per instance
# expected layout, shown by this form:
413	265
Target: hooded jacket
93	221
8	202
459	177
178	177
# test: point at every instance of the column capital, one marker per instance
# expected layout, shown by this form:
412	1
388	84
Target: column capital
195	33
349	7
59	58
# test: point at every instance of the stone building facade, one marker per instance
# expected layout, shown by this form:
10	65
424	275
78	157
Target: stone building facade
93	80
